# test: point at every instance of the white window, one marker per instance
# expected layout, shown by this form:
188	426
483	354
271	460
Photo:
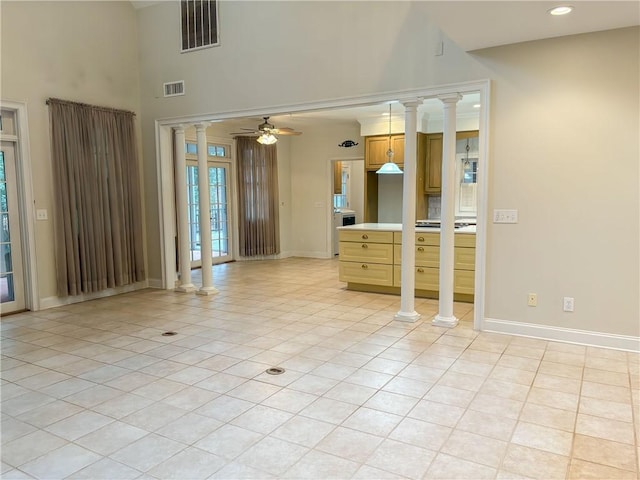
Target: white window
466	176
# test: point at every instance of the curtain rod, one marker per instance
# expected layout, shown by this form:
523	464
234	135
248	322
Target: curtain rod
79	104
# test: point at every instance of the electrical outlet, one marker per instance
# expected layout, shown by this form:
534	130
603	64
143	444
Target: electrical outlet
567	304
532	300
41	214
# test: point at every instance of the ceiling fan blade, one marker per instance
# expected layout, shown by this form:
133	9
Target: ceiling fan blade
286	131
247	134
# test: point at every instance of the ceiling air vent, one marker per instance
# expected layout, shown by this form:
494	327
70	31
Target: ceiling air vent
173	89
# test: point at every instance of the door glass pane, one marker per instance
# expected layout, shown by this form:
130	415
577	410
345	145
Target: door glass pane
7	293
193	213
219	223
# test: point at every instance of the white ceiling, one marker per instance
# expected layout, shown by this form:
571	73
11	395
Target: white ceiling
476	24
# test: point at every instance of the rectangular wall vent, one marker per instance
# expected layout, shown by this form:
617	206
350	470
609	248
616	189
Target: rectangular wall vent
173	89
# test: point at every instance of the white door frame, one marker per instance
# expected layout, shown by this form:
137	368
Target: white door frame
25	200
164	164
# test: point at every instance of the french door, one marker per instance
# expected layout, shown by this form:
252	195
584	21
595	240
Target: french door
11	275
219	212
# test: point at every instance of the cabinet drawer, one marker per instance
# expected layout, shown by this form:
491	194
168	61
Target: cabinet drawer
426	278
464	240
464	258
421	238
370	236
464	281
368	273
366	252
426	256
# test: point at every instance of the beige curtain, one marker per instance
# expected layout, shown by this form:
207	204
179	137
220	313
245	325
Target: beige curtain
98	212
258	193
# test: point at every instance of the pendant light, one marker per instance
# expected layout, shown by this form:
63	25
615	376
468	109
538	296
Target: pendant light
390	167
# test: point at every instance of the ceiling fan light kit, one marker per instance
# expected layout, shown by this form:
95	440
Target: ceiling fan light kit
267	132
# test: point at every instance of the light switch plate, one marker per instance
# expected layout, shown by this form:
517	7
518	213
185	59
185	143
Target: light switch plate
505	216
42	214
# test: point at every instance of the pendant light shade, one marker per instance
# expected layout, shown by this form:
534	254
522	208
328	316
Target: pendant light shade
390	167
267	139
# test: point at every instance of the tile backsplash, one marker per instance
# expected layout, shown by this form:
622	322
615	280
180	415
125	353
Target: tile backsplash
433	212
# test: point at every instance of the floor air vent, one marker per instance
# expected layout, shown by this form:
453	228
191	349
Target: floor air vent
173	89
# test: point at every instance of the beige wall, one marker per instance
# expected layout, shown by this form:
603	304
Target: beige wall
80	51
565	153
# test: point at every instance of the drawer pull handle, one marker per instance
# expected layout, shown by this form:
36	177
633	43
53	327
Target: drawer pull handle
421	249
421	239
421	270
365	266
364	245
365	236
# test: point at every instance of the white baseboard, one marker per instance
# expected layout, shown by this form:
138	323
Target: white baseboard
155	283
311	255
51	302
559	334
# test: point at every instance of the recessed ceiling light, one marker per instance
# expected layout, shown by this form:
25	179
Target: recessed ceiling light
561	10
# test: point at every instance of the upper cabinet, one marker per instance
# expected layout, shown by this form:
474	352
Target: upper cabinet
433	159
375	150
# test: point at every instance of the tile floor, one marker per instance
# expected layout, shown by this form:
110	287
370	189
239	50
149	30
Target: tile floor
94	391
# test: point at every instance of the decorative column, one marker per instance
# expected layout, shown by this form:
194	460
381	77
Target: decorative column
445	317
205	212
407	311
181	209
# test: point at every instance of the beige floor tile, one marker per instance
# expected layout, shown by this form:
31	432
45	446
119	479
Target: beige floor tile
450	395
438	413
60	463
111	438
548	416
303	431
605	428
290	400
606	392
154	416
475	448
159	389
486	424
29	447
43	416
78	425
350	393
391	403
582	470
328	410
253	391
406	460
606	377
224	408
349	444
559	384
561	369
123	405
191	463
509	390
542	438
496	405
421	434
555	399
513	375
607	364
535	463
606	409
272	455
25	402
366	472
189	428
605	452
228	441
369	378
146	453
407	386
106	469
372	421
319	465
261	419
425	373
447	467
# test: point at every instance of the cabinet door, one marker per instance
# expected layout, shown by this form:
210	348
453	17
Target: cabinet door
397	144
433	166
337	178
376	151
366	273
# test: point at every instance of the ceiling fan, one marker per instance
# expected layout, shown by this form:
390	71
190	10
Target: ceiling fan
267	132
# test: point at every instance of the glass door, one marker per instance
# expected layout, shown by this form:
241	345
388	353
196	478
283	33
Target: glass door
11	276
219	212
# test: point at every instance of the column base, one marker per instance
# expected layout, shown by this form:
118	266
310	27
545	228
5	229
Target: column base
186	288
440	321
407	316
207	291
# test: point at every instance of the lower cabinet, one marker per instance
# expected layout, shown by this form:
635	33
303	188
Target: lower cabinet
375	258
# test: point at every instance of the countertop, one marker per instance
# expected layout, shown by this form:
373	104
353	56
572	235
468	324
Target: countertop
397	227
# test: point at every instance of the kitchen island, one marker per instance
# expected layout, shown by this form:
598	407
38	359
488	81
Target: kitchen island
371	258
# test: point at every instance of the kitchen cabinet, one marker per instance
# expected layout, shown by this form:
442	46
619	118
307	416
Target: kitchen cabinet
376	147
371	260
337	177
433	160
366	257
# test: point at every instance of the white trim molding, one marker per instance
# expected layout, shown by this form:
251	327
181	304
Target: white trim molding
566	335
51	302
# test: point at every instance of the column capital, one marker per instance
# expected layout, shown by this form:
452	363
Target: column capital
202	126
413	102
450	98
178	128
